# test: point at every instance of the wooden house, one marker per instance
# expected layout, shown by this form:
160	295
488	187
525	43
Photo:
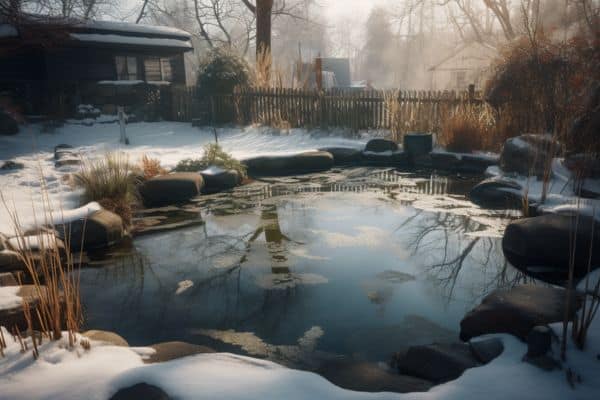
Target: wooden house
86	61
466	65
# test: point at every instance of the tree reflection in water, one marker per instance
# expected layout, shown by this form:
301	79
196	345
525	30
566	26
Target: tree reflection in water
439	240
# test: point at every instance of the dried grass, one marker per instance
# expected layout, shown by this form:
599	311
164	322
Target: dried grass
151	167
469	128
111	181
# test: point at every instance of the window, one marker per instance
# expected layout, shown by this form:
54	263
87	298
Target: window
158	69
461	79
126	68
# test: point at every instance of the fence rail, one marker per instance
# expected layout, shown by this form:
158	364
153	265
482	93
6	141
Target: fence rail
354	109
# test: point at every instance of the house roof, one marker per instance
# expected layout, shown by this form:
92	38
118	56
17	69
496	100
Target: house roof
486	53
103	33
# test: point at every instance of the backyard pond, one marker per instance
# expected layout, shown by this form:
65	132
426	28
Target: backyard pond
356	263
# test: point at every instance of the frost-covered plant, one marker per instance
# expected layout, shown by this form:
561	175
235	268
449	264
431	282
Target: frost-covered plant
221	71
213	155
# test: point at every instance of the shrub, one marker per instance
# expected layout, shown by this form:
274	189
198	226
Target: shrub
469	129
151	167
111	181
221	71
213	155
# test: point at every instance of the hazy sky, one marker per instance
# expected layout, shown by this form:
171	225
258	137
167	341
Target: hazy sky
355	8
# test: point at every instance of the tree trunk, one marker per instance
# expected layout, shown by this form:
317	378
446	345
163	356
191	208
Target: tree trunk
264	10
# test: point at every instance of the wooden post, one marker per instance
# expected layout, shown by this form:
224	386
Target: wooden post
319	72
123	139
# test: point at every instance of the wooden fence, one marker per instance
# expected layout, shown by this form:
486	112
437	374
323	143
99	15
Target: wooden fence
355	109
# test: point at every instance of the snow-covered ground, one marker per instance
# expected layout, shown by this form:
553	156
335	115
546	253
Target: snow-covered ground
168	141
64	374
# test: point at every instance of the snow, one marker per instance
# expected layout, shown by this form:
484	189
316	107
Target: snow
134	28
131	40
9	298
170	142
8	31
63	373
560	196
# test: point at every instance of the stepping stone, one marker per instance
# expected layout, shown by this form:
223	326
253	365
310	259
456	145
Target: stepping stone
295	164
173	188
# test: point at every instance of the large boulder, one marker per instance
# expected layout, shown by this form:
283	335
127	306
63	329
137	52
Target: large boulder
381	146
100	229
217	179
497	193
516	311
8	125
369	377
437	362
302	163
543	245
344	155
173	188
529	154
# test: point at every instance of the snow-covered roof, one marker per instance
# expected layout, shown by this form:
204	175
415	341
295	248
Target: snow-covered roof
131	28
131	40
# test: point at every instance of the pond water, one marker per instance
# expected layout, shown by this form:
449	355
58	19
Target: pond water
357	263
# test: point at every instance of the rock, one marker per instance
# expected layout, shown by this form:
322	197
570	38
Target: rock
369	377
541	246
418	144
586	165
10	260
302	163
217	179
445	161
11	166
529	154
437	362
141	391
516	311
106	337
478	163
344	155
539	341
101	229
61	149
63	162
386	159
14	315
381	146
173	188
486	350
8	125
8	279
172	350
497	193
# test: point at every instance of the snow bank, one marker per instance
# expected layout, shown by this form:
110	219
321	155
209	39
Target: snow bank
66	374
170	142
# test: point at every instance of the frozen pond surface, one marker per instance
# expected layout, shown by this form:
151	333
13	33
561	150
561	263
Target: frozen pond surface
357	263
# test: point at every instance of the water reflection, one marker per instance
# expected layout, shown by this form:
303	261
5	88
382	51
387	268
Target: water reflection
375	259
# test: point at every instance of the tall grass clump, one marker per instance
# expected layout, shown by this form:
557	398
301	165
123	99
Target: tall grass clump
394	110
213	155
469	128
112	182
54	272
